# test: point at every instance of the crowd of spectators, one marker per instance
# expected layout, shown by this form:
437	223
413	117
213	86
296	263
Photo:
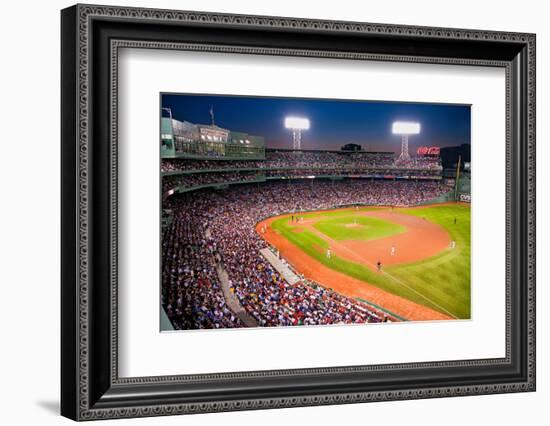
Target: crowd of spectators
191	293
420	162
352	172
192	180
197	179
303	159
294	164
211	228
323	159
175	165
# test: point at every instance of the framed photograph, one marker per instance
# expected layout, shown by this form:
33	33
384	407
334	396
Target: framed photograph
263	212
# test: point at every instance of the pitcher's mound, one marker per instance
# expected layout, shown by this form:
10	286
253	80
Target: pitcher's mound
352	225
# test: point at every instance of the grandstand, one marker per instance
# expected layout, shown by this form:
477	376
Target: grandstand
181	175
216	203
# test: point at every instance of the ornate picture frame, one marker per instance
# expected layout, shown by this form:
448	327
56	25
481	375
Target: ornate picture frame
91	37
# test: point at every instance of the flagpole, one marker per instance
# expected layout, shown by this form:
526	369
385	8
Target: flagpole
212	115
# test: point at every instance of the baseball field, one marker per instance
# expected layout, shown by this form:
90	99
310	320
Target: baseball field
412	262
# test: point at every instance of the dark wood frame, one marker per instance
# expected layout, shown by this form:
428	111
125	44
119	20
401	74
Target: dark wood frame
90	386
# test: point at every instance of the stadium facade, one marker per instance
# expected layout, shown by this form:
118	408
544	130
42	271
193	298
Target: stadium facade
182	139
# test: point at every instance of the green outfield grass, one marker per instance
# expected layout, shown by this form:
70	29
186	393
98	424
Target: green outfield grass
441	282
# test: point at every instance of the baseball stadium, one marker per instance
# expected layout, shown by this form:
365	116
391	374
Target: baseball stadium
260	236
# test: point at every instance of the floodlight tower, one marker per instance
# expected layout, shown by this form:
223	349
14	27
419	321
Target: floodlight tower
296	124
405	128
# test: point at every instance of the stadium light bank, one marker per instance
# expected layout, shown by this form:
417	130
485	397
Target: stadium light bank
405	128
297	124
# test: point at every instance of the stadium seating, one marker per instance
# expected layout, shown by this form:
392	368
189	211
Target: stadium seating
212	228
308	159
185	174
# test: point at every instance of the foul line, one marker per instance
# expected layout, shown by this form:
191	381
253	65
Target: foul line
420	294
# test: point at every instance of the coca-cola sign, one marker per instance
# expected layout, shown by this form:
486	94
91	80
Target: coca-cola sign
428	150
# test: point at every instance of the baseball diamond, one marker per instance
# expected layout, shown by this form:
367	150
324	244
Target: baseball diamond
420	239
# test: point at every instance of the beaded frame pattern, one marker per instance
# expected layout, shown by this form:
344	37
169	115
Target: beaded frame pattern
86	12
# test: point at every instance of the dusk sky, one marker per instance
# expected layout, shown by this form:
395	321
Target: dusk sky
333	123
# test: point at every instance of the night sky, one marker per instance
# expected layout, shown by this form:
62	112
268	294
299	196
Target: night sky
333	123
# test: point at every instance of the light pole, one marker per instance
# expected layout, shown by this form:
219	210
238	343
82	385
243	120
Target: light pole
405	128
296	124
